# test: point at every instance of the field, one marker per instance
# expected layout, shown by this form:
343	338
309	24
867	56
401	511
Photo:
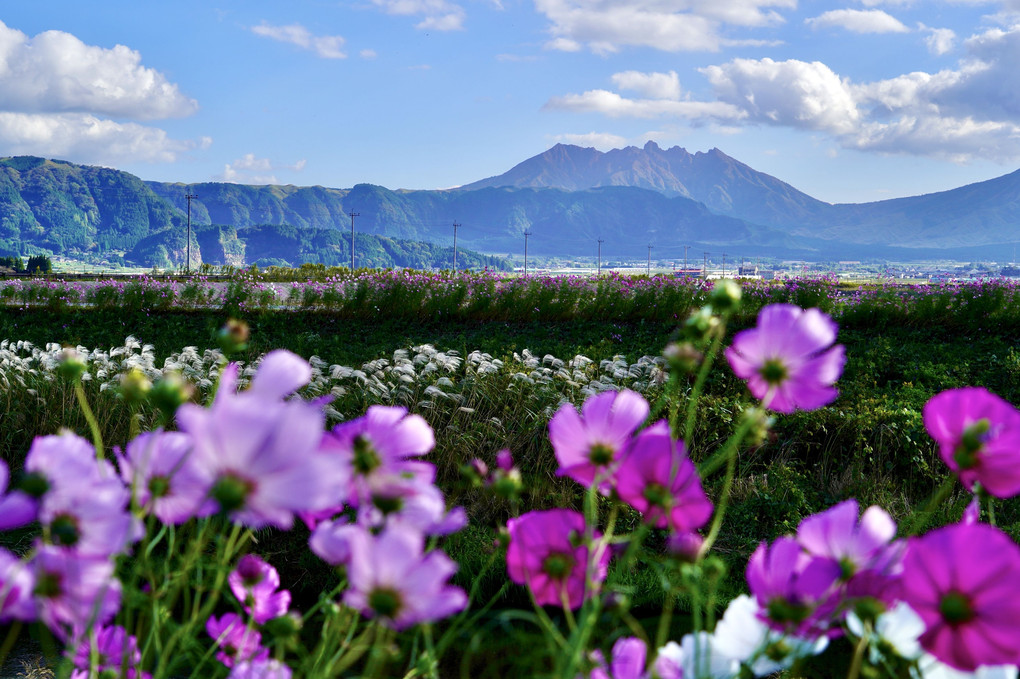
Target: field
487	361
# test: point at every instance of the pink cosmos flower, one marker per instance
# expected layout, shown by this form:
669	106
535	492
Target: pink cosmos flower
17	508
627	661
260	669
108	648
410	498
92	519
548	554
391	578
16	587
160	469
658	479
979	438
256	585
258	457
788	359
868	556
73	593
237	643
964	582
793	588
589	446
378	448
331	541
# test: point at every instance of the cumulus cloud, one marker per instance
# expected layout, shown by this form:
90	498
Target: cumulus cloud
651	85
56	72
939	40
961	113
616	106
86	138
680	25
438	15
58	95
248	169
324	46
858	21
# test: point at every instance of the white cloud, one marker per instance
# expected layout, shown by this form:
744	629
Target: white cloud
939	40
57	95
249	169
439	15
82	137
678	25
858	21
368	54
789	93
324	46
963	113
600	140
651	85
616	106
56	72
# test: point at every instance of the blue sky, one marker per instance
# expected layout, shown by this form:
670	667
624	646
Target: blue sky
849	101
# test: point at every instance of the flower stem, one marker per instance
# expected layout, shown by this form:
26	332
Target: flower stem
699	383
83	403
921	519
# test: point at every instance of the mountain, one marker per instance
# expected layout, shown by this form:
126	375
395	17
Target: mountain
724	185
101	214
566	202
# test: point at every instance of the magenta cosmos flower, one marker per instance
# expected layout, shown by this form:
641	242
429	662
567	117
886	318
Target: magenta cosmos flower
256	585
964	582
391	578
589	445
788	359
547	553
793	588
658	479
979	438
237	643
161	471
865	550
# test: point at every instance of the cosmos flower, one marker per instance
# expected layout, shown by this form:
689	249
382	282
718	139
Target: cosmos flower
793	588
979	438
547	553
236	641
589	446
789	359
391	578
160	469
256	585
658	479
964	582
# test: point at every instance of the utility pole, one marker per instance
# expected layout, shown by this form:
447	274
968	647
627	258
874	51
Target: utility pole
724	265
600	257
686	248
526	234
187	265
648	269
704	267
353	215
455	227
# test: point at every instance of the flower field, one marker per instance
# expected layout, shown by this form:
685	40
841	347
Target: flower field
401	474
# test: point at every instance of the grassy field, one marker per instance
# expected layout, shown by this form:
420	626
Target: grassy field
869	444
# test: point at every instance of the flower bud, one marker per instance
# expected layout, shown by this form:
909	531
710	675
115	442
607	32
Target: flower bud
169	392
233	336
507	484
475	471
700	324
284	626
70	365
725	296
685	547
683	357
135	386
